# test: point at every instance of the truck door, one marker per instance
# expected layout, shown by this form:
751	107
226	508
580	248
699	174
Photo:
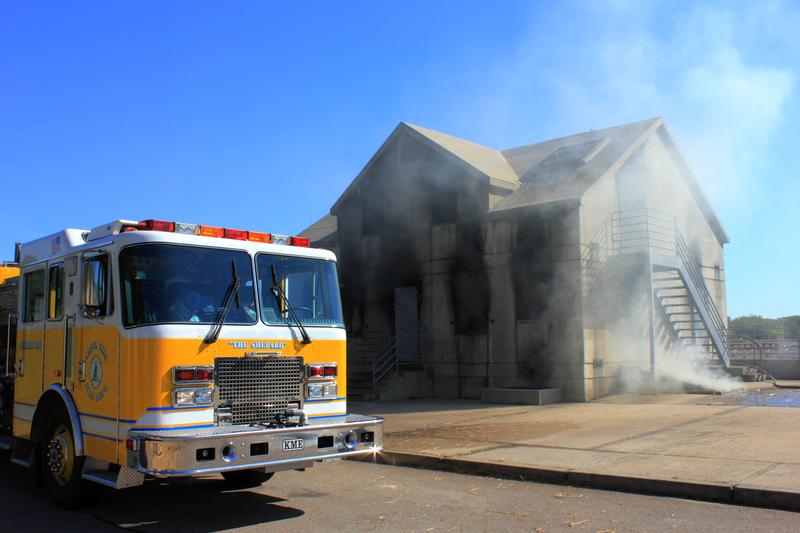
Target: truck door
53	368
30	346
62	307
96	356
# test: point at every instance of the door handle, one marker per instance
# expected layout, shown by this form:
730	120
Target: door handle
82	371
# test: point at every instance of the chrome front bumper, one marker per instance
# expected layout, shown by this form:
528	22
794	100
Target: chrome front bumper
181	452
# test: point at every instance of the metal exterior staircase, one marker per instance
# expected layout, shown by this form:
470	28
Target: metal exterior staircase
679	291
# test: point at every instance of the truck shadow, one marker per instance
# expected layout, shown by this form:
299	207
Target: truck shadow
197	504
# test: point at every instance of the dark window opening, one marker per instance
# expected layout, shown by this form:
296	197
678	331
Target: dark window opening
444	206
33	299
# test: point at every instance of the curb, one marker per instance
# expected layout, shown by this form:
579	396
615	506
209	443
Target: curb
712	492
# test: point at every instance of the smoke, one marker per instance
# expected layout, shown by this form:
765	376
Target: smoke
721	76
677	364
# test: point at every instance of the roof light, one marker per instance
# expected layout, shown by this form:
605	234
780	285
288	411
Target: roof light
259	237
214	231
211	231
237	234
280	239
156	225
187	229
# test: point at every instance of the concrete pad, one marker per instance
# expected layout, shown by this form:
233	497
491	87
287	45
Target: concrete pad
539	457
778	486
750	433
716	452
691	469
779	477
441	447
521	396
592	426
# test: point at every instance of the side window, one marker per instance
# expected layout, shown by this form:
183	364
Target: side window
33	297
95	301
55	293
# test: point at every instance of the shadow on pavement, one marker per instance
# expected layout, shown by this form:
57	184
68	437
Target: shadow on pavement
197	504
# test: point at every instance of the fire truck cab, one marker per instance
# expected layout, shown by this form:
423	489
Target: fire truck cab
167	349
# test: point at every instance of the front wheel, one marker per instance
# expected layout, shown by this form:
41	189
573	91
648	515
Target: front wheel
61	468
247	478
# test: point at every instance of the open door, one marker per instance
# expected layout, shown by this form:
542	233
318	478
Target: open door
30	349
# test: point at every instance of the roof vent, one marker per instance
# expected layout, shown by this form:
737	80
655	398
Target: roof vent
564	161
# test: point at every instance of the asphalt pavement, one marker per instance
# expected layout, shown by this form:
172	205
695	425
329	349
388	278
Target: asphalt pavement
352	496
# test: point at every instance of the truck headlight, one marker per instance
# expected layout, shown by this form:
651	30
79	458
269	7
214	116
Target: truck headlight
321	390
191	397
315	390
329	390
204	396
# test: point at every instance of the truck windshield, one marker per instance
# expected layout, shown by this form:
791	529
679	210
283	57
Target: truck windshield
164	283
310	286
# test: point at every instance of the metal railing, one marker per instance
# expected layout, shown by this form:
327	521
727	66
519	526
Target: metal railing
655	233
754	349
388	359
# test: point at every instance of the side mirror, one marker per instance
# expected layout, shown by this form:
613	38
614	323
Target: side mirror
93	297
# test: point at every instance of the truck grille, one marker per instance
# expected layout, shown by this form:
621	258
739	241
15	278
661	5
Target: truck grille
257	388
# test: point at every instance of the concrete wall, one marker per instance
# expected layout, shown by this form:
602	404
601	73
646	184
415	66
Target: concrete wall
417	220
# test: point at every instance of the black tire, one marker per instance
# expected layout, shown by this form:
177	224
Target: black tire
247	478
60	467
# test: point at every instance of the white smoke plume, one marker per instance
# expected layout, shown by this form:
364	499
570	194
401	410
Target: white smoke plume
625	62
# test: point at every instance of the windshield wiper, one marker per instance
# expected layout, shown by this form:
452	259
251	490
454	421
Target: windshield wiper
233	290
278	291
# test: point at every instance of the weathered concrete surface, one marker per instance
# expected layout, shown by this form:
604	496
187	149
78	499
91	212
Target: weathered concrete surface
669	444
521	396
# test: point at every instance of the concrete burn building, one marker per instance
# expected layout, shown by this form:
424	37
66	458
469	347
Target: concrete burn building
558	265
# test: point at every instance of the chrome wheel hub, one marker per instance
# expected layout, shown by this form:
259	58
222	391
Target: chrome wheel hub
60	455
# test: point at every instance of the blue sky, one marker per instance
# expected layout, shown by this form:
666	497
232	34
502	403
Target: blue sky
256	115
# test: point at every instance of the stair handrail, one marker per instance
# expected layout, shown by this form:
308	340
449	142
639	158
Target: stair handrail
656	231
385	361
697	278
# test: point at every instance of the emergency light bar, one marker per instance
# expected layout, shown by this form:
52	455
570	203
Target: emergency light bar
213	231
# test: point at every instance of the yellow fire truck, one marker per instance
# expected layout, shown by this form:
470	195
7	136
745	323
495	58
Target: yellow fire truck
157	348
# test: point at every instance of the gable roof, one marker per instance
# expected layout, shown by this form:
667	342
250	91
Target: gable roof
490	162
474	158
556	170
545	183
321	229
